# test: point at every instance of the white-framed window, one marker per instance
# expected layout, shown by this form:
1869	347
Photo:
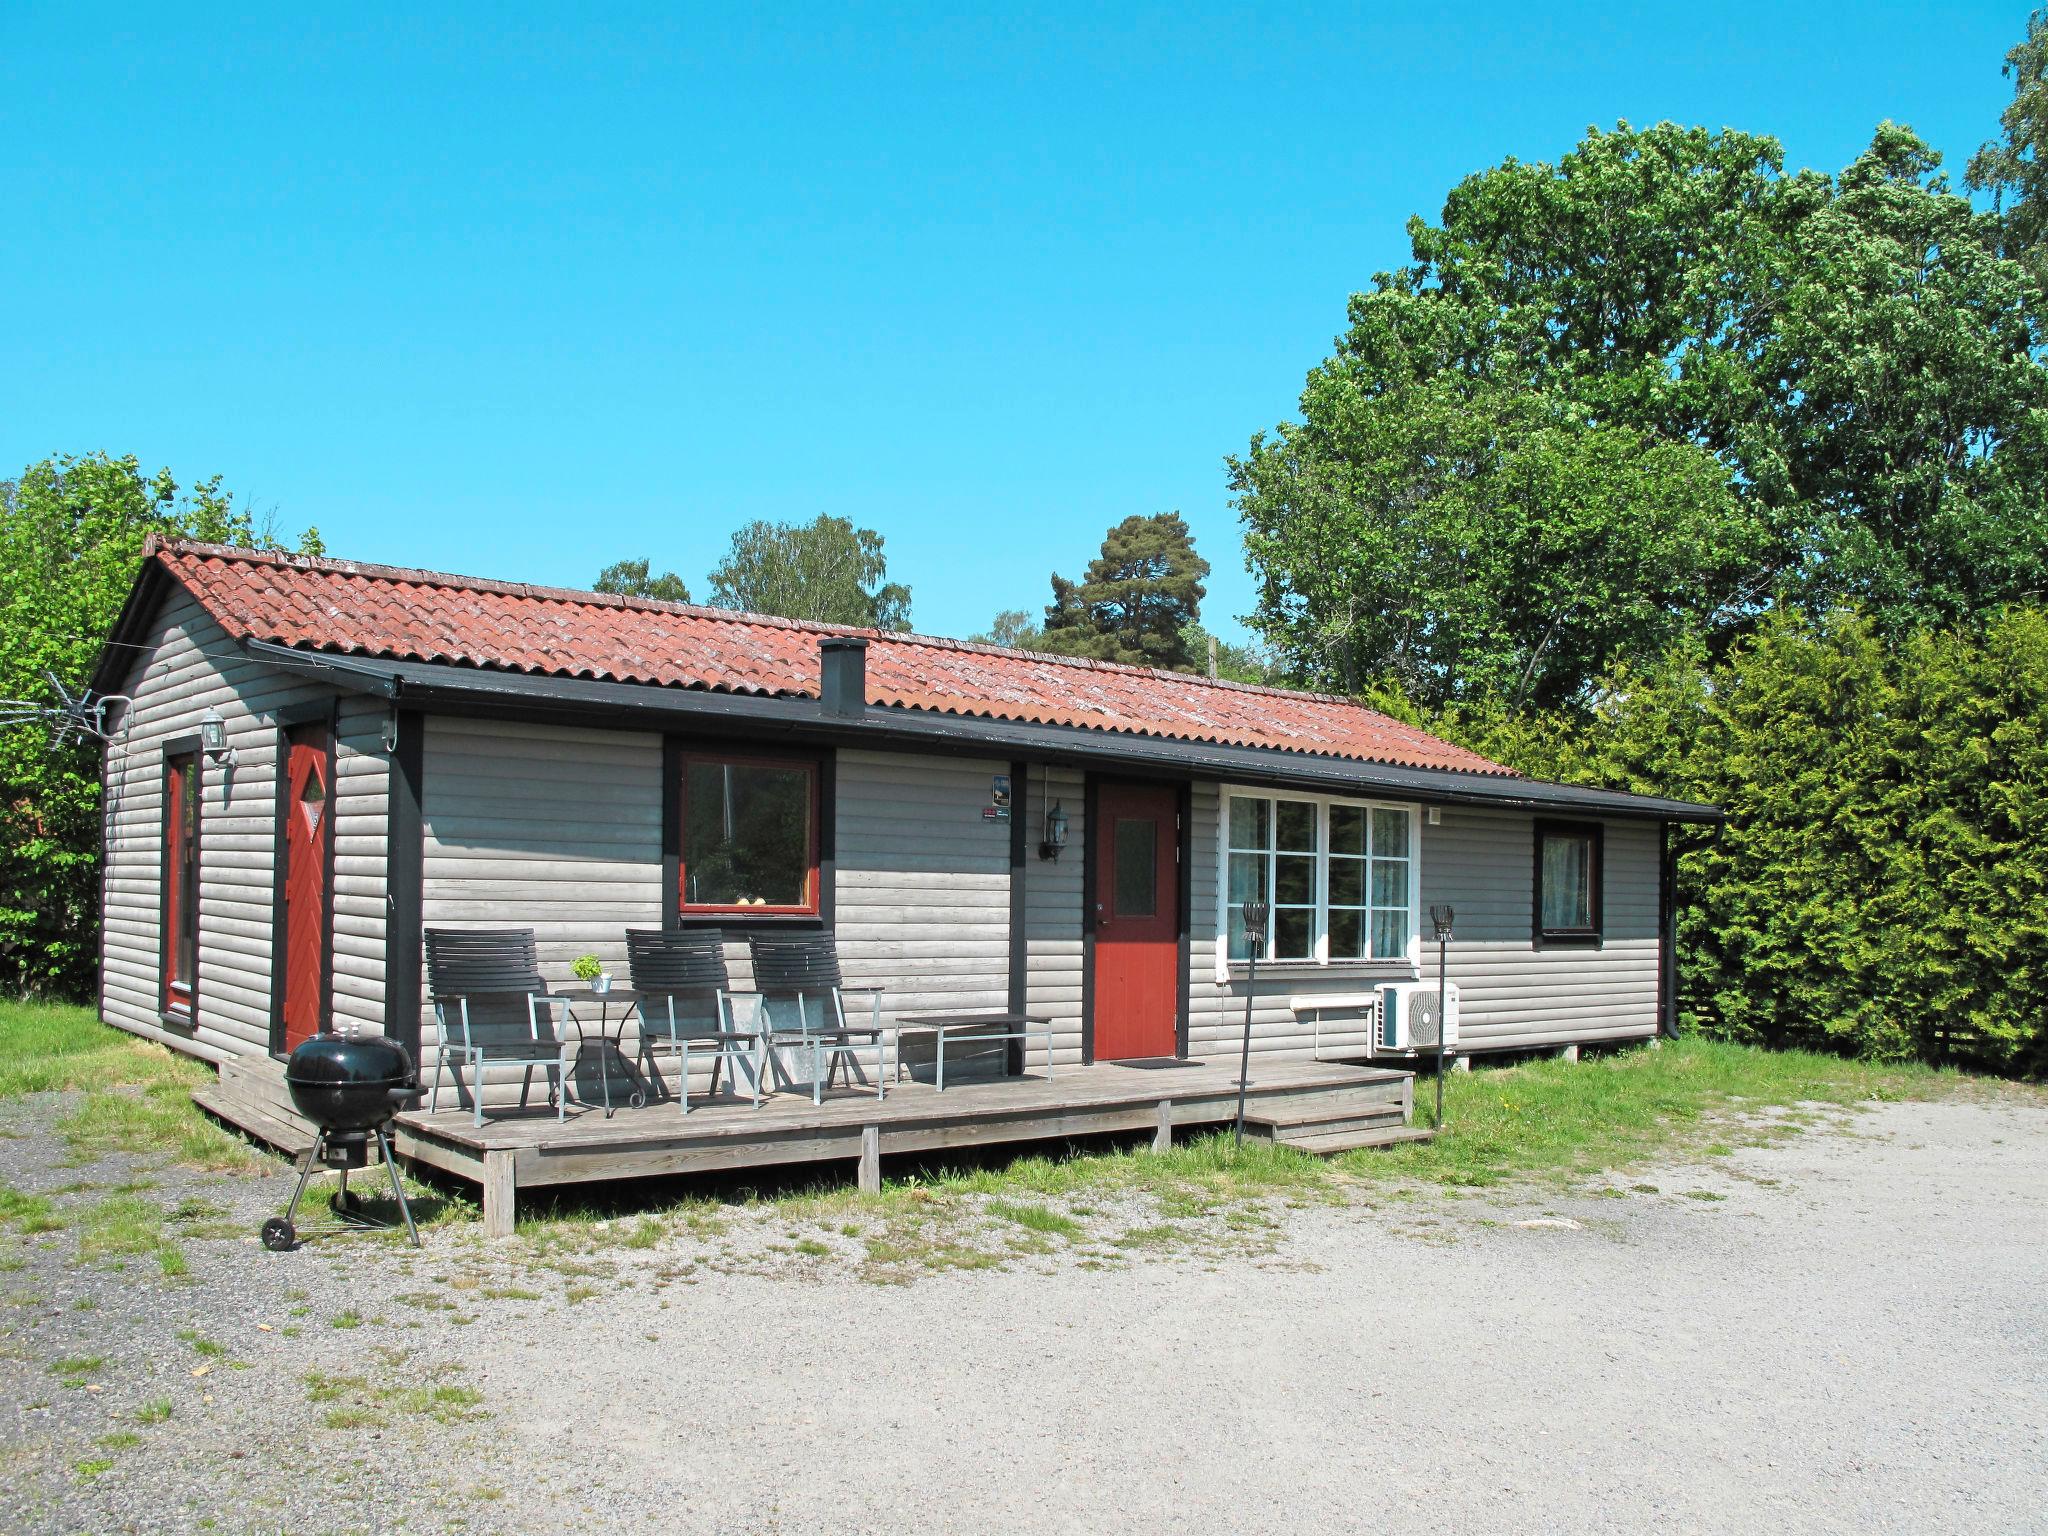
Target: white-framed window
1342	878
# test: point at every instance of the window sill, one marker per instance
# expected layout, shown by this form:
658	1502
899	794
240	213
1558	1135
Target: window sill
1569	940
1396	969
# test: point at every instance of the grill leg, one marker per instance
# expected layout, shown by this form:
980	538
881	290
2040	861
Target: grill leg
397	1189
307	1163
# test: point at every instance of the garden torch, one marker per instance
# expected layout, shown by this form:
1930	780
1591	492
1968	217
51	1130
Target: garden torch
1254	940
1440	918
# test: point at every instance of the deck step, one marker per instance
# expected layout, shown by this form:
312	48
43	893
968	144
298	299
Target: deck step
1346	1141
255	1119
1312	1111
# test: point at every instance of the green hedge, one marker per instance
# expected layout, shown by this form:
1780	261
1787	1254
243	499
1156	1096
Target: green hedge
1881	888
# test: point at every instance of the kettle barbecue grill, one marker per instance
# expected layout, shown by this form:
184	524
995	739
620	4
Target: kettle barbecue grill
349	1086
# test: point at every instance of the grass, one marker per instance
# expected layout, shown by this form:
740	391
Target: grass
1563	1121
137	1094
121	1227
28	1213
362	1402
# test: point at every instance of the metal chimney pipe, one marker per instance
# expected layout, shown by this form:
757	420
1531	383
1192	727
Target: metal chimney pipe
843	675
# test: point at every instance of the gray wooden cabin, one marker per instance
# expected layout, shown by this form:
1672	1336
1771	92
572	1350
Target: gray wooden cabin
484	754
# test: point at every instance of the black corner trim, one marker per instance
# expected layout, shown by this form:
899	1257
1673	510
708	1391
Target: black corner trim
404	871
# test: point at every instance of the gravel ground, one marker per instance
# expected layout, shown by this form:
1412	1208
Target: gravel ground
1843	1331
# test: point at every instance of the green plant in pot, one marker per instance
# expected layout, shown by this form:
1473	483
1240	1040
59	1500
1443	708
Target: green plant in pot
589	970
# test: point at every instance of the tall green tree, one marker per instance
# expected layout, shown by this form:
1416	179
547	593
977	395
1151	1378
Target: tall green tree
1653	390
1013	628
2013	168
631	578
827	571
71	533
1136	600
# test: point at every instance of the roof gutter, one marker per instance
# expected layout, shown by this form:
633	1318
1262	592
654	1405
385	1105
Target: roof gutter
424	684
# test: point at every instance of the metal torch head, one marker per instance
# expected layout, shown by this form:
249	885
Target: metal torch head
1440	918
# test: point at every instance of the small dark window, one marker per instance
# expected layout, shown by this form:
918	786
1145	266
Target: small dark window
1137	867
1568	877
180	910
750	835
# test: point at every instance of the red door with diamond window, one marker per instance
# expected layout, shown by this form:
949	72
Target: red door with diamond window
308	827
1135	846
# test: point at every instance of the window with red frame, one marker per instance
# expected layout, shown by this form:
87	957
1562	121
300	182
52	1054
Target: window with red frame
181	880
750	835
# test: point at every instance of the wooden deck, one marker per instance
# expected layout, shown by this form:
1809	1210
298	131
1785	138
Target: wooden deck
1317	1104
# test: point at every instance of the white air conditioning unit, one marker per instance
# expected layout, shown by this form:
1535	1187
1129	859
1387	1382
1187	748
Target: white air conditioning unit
1408	1016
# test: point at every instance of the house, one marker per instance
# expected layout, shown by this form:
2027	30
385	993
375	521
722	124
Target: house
980	828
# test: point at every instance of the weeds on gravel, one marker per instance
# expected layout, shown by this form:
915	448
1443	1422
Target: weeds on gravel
358	1402
157	1410
121	1227
28	1213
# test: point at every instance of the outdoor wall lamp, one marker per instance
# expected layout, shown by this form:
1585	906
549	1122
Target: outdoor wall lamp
1055	832
213	738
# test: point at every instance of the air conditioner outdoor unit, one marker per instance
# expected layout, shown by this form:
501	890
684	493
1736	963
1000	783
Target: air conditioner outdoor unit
1408	1016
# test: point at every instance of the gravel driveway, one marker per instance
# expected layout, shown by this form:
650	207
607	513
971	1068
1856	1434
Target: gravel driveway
1844	1331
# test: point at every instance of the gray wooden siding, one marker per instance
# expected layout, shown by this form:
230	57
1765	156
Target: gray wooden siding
1513	995
189	666
1052	913
558	828
923	885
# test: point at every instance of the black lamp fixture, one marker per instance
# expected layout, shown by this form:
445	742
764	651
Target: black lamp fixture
1256	913
213	738
1055	835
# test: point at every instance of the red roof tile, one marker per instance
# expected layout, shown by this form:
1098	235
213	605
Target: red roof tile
406	615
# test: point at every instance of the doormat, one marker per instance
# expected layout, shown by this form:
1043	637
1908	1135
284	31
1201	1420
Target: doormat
1155	1063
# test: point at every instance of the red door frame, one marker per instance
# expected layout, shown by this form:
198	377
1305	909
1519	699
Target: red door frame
1166	937
303	933
183	800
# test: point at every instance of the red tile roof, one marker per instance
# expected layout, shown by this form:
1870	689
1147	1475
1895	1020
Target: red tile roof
406	615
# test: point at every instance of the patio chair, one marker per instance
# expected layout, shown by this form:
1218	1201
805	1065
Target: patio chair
803	969
495	966
671	970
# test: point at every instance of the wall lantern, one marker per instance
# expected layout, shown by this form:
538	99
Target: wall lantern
213	738
1055	832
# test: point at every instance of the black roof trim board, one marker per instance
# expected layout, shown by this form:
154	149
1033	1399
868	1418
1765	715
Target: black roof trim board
425	684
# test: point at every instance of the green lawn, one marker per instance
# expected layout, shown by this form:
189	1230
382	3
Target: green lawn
137	1094
1545	1120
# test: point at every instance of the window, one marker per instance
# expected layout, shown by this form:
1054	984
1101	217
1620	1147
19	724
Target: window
1339	876
1568	882
749	835
180	895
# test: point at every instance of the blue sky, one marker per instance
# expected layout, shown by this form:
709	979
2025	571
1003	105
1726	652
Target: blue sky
514	291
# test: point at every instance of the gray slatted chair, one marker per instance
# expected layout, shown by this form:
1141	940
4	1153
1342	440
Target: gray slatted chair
803	970
495	965
672	967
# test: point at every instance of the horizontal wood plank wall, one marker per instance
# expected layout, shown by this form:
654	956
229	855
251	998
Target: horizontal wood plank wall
553	828
923	893
1512	995
363	773
1052	906
190	666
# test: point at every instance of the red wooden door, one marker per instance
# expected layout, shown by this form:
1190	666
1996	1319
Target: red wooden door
1135	845
308	826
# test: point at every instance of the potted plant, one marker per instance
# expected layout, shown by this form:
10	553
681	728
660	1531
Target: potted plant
590	970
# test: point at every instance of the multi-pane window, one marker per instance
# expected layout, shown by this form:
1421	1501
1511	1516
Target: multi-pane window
750	835
1339	877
